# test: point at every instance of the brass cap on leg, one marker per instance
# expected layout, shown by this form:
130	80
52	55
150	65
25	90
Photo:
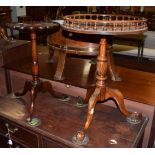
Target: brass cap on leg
80	138
134	118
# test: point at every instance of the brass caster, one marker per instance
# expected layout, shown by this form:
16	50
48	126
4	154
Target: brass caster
80	138
134	118
34	121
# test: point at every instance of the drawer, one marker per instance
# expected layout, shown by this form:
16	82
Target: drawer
48	143
4	143
19	134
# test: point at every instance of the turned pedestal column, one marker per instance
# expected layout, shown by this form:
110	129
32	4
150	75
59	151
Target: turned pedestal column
36	85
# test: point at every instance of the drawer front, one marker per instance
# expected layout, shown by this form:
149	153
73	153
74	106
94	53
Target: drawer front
48	143
4	143
19	134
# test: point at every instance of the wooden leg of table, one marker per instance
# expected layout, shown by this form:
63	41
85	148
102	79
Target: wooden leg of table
111	66
8	81
82	102
42	86
47	87
51	54
33	121
60	66
33	94
27	87
119	99
91	105
81	137
101	94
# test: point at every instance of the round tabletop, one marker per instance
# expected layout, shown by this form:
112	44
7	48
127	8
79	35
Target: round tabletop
34	26
104	24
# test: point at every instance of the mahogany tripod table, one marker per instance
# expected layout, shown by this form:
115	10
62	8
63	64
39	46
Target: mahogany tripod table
36	85
104	25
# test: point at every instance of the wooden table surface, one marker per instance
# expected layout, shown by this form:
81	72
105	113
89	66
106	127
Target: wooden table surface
60	120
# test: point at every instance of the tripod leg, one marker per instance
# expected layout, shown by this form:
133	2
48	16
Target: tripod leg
47	86
33	96
27	87
33	121
133	118
51	54
60	66
111	66
81	137
118	97
91	105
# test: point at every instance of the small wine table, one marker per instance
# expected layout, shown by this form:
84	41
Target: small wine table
36	85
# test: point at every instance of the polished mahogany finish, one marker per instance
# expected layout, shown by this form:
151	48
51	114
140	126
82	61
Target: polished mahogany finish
102	92
104	25
60	120
66	43
82	45
36	85
69	43
136	80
